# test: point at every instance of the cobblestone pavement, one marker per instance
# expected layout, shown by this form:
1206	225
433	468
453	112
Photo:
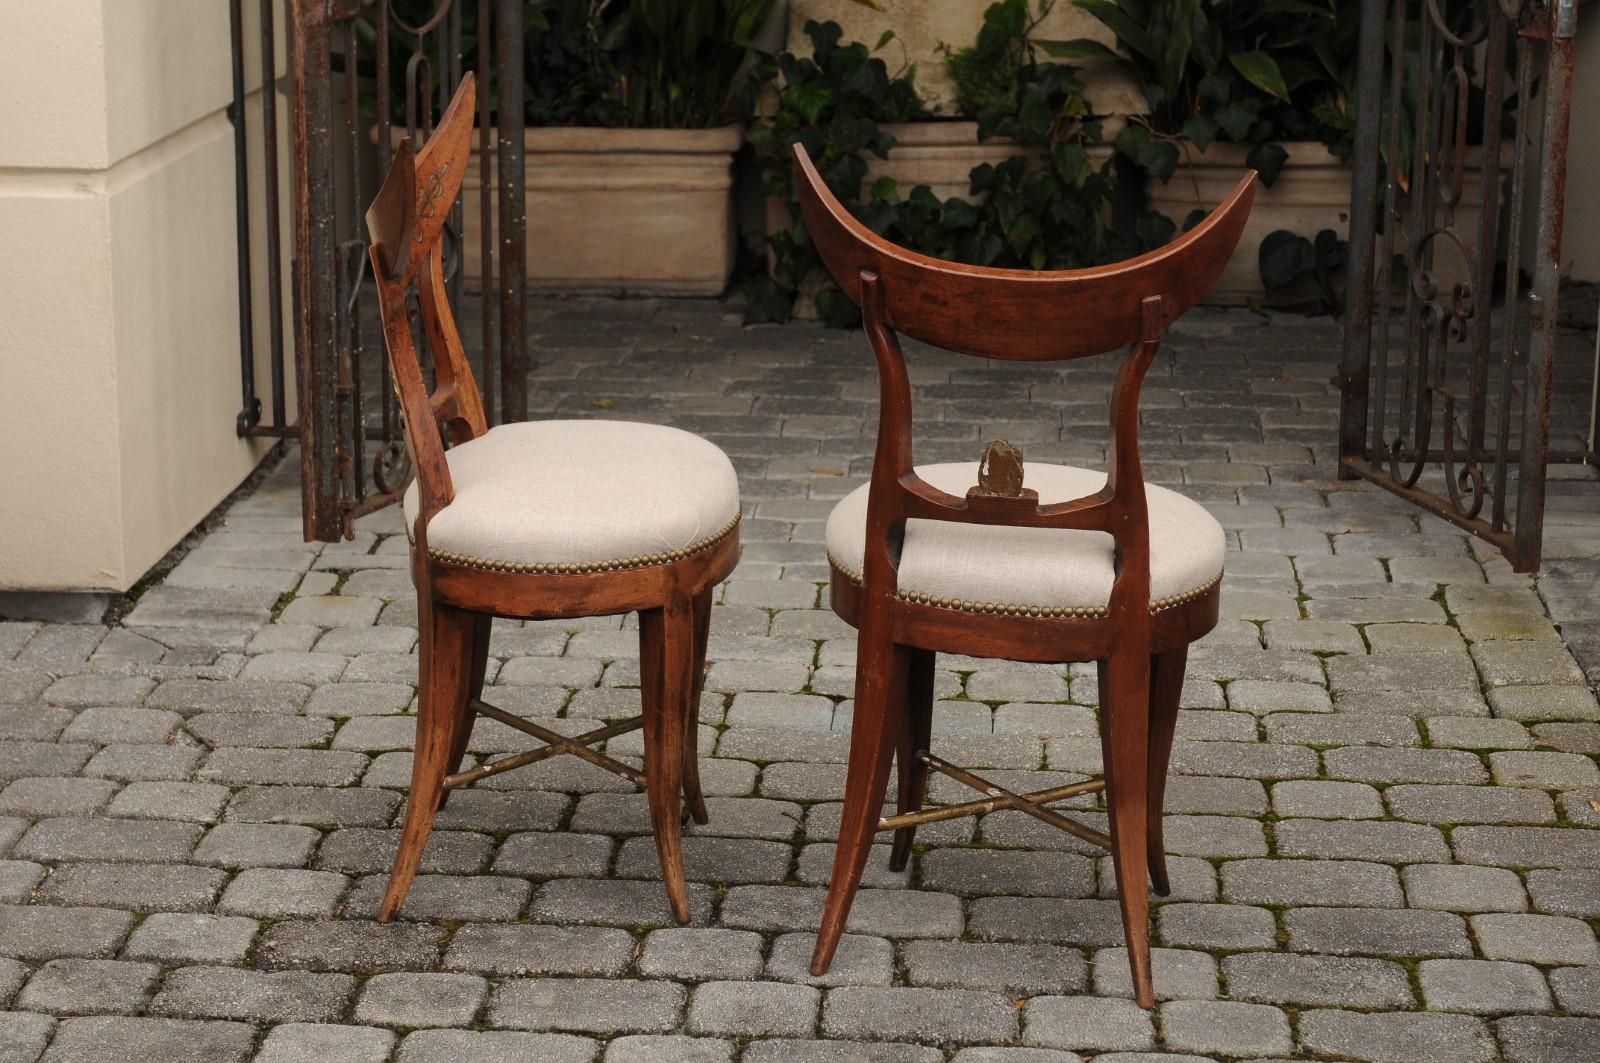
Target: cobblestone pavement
1381	813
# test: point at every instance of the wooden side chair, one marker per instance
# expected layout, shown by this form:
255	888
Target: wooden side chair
1045	563
537	520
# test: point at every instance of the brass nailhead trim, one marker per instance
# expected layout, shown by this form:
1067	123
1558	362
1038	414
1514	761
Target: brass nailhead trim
1085	612
583	567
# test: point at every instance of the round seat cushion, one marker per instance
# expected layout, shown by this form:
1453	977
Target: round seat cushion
580	496
993	568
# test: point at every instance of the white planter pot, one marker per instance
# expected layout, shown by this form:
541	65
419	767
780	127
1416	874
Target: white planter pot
940	155
1312	193
611	211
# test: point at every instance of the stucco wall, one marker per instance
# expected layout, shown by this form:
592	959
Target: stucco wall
1580	236
119	287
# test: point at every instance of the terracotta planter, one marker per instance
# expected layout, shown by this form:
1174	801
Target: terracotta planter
646	211
1312	193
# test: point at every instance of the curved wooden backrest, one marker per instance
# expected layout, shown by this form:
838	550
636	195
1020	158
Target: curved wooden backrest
406	222
407	216
1020	314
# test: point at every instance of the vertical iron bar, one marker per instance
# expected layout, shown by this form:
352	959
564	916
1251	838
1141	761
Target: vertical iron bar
1355	360
1392	227
315	282
513	216
250	413
1511	353
1546	283
386	402
452	74
350	304
1488	237
269	158
1414	395
486	187
1592	443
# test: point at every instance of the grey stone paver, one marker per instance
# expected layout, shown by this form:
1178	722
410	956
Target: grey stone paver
313	1043
1380	820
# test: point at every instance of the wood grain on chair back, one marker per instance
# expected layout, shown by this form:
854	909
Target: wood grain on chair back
1020	314
407	222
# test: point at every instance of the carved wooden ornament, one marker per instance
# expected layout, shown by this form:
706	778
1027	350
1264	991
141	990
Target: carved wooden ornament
1000	474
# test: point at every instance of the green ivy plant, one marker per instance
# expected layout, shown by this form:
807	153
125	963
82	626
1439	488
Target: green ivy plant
834	103
1285	257
1250	72
1044	207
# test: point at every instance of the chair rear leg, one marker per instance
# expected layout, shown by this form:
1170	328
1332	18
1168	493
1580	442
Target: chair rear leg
1125	744
691	744
479	651
443	681
874	733
666	657
914	737
1166	688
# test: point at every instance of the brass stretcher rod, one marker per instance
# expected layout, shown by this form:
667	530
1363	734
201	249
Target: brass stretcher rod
577	745
999	799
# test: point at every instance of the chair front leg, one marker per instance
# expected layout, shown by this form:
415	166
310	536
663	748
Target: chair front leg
1166	689
478	649
875	728
692	794
666	659
1125	745
444	677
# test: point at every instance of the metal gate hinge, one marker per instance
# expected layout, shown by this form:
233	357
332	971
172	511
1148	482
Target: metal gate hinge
1566	18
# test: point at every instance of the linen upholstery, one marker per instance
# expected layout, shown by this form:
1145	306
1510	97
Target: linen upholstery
1052	569
591	494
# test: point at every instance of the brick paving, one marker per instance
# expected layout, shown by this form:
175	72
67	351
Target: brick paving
1381	815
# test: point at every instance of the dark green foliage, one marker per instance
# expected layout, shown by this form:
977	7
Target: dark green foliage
832	102
676	59
987	74
568	66
1285	257
656	64
1246	71
1045	209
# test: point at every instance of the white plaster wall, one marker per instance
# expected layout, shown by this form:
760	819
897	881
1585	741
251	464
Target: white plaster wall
119	287
1580	235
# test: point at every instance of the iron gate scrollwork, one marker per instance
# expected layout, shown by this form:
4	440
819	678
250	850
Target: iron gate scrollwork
1453	412
347	60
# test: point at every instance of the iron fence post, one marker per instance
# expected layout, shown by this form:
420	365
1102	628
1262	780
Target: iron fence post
250	411
1543	309
315	283
1356	354
513	216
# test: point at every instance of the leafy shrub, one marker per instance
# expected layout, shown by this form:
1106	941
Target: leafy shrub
833	102
1043	208
654	64
1247	71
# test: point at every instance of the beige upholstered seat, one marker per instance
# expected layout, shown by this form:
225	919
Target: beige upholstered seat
555	496
1005	569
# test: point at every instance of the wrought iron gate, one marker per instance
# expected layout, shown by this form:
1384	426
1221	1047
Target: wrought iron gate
1453	410
361	72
